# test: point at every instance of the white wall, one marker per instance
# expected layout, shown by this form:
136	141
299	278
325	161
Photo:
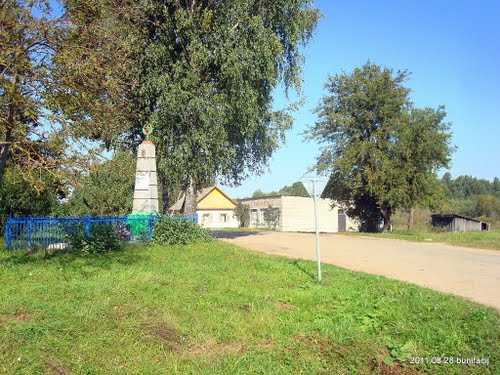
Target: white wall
298	215
257	207
215	220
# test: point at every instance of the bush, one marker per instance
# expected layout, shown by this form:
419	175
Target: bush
242	212
103	238
173	231
272	217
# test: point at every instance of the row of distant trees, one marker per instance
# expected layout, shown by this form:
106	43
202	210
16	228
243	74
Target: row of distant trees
462	187
464	195
470	196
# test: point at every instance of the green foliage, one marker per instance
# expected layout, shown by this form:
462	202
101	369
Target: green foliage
297	189
242	213
20	198
94	75
103	238
60	84
397	352
272	217
486	206
467	186
470	196
107	190
208	71
259	194
173	231
27	42
380	151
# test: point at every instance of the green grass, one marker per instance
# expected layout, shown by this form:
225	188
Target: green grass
480	240
219	309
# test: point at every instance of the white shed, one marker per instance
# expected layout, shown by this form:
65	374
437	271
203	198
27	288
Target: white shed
296	214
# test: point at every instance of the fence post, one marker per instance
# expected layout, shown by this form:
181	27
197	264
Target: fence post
7	232
87	225
149	228
28	232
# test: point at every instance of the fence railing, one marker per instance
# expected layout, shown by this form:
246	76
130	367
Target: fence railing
39	233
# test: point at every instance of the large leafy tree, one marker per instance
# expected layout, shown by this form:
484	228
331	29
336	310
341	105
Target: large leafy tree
380	151
26	40
93	75
65	82
208	69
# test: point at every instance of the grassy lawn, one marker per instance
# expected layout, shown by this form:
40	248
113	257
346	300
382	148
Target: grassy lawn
480	240
217	309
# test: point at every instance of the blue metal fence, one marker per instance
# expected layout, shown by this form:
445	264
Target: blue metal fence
38	233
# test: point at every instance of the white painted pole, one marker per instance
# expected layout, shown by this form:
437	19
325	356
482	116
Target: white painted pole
317	229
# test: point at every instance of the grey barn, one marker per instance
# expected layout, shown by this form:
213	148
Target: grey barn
458	223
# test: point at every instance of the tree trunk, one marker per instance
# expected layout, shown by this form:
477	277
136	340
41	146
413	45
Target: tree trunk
4	149
164	194
190	200
386	214
411	216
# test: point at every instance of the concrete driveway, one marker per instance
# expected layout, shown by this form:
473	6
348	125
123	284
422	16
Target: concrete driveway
470	273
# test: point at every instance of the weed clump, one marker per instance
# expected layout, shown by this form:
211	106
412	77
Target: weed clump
102	238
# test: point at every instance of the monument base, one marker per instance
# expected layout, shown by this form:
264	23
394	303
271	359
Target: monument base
146	185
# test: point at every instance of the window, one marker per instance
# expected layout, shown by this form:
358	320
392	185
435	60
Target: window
206	218
223	218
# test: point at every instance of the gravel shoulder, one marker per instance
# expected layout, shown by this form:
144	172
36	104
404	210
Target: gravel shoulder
465	272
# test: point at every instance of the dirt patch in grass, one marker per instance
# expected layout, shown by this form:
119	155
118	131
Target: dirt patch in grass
211	348
19	316
283	306
265	345
167	335
378	366
321	345
354	353
119	313
55	367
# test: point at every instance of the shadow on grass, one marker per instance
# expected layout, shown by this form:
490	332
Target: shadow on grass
127	256
297	264
234	234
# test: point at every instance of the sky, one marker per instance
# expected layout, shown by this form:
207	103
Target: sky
452	49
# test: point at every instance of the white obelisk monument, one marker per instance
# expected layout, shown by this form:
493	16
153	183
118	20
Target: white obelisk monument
146	183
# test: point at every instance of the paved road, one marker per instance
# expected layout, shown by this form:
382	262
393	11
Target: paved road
470	273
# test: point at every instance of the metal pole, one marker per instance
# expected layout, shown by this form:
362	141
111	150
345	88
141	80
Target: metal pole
317	229
87	226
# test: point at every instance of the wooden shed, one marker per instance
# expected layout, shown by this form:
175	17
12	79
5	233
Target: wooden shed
458	223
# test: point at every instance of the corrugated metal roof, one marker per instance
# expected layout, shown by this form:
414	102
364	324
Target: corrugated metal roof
455	215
